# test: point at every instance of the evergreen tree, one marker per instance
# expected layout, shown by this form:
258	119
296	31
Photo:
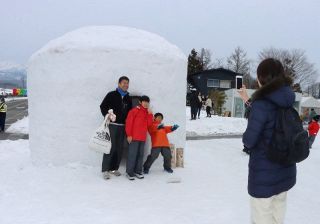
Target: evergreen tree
194	63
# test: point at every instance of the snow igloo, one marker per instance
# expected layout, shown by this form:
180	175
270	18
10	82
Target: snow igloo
69	77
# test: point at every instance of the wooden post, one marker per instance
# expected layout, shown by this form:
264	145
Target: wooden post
180	157
174	156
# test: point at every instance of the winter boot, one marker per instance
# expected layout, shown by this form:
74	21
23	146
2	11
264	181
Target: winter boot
106	175
169	170
130	176
139	175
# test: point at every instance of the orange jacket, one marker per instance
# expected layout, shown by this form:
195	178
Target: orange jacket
159	136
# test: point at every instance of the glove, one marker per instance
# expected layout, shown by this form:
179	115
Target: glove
174	127
160	126
112	116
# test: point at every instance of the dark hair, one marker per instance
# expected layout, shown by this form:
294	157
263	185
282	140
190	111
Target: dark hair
158	115
144	98
268	70
123	78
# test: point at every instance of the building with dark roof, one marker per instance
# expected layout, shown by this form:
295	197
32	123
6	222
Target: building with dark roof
213	79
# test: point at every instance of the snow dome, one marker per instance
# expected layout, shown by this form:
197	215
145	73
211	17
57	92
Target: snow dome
69	77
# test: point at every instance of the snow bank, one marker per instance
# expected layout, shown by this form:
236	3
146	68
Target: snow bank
76	71
215	125
20	127
15	98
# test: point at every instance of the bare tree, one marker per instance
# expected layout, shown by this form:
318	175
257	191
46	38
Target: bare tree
239	63
295	63
219	63
314	90
205	58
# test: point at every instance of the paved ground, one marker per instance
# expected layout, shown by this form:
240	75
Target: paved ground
17	109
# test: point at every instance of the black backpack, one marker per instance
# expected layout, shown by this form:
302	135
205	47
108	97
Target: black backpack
289	143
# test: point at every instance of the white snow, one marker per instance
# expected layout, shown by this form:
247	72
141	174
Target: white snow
215	125
212	190
20	127
15	98
81	67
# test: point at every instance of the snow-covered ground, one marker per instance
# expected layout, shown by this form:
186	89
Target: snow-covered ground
15	98
20	127
215	125
212	190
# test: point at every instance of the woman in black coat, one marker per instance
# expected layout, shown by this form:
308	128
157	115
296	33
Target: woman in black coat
268	182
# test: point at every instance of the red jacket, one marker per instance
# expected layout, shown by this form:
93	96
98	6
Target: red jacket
313	128
159	136
137	123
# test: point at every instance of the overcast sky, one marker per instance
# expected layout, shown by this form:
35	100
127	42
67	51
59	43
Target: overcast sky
27	25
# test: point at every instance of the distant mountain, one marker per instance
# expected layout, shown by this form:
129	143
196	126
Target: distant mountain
12	75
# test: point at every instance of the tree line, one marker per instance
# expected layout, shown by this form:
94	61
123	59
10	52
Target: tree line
295	62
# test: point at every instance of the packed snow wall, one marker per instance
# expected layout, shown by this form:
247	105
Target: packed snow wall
69	77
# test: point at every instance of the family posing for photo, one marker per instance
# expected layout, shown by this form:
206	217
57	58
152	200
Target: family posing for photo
271	175
134	125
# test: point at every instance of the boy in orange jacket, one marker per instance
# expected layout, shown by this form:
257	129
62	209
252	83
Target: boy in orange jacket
137	123
160	143
313	129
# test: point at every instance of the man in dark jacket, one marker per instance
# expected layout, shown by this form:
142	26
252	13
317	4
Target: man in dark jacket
194	104
120	102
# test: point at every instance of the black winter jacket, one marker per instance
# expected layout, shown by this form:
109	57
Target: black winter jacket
121	106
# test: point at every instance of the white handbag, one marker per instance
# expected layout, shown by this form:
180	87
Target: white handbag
101	140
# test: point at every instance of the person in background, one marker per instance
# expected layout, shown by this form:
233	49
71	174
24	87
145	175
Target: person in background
120	102
194	102
312	114
246	115
199	104
208	105
3	114
313	129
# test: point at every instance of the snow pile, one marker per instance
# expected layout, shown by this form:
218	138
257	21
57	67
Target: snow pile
215	125
8	65
80	68
213	190
15	98
20	127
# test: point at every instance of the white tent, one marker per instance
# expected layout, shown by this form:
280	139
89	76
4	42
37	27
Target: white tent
310	102
69	77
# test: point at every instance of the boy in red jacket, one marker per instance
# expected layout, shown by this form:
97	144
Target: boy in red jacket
137	123
313	129
160	143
